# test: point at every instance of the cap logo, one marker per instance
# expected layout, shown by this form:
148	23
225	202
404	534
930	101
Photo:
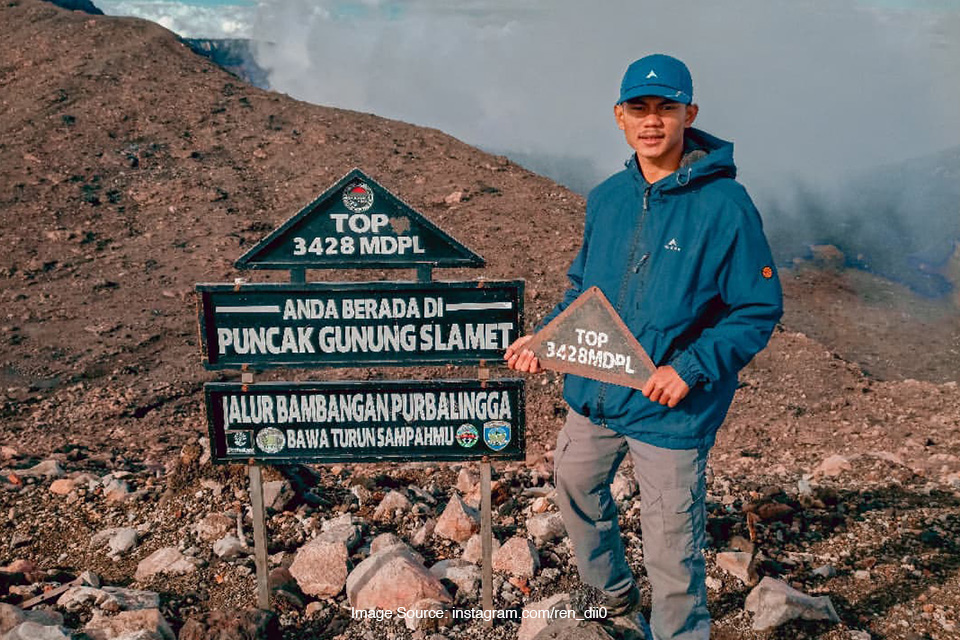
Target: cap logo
652	74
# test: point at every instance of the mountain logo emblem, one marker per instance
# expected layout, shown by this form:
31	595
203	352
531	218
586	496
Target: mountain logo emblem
652	74
672	245
358	196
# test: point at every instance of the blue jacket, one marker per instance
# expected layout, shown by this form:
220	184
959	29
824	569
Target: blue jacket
686	265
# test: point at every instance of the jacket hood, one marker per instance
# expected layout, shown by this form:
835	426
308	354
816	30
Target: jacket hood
704	156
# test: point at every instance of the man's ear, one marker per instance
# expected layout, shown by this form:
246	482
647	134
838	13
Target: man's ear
692	111
618	114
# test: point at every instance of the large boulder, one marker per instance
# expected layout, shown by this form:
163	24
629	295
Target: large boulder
774	602
465	575
537	615
458	521
320	568
392	579
12	617
394	504
36	631
518	557
151	621
166	560
545	528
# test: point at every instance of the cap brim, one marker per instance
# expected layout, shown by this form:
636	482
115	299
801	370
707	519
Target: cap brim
654	90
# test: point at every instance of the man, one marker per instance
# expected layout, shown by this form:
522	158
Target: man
675	243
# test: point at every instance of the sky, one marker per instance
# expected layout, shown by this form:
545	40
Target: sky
805	88
815	94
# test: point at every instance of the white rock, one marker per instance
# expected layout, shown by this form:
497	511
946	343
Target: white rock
467	480
465	575
77	598
341	529
832	466
540	505
214	526
533	623
458	521
740	564
45	469
11	617
320	568
118	540
148	623
35	631
229	547
774	602
392	505
63	486
392	579
545	528
276	494
428	615
422	535
624	486
473	550
824	571
122	540
517	557
166	560
115	489
123	599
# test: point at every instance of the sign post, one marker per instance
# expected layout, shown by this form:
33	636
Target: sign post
357	223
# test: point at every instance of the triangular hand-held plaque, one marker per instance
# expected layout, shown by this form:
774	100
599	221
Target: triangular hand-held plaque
589	339
357	223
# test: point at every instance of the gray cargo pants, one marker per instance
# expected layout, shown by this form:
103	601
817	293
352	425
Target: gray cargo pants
672	519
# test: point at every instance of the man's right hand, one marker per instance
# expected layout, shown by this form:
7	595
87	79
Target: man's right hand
520	358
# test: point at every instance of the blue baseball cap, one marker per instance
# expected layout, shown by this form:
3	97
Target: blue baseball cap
657	75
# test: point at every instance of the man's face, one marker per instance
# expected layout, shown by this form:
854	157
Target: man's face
654	127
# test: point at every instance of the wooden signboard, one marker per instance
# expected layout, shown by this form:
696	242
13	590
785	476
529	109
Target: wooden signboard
349	324
589	339
369	421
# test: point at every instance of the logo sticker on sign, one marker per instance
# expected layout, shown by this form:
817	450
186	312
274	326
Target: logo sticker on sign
358	197
496	434
271	440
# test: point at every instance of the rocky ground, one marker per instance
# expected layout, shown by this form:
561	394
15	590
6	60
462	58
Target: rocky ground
132	169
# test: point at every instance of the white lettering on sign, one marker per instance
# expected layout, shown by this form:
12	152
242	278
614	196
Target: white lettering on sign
325	246
390	245
369	338
262	340
310	309
366	407
481	335
359	222
593	354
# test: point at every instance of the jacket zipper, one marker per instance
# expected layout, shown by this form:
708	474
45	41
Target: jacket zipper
638	231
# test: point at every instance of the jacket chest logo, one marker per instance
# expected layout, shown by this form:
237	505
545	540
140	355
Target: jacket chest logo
672	245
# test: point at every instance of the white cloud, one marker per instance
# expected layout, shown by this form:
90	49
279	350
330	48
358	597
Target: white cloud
806	90
187	20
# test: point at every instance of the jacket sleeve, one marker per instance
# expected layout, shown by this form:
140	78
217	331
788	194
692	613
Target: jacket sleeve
750	289
574	274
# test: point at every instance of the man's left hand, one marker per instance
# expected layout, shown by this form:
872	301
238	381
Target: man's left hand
665	387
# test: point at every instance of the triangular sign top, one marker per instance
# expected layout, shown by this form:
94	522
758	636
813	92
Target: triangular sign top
589	339
357	223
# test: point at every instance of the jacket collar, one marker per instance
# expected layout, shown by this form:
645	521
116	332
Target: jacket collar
704	156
